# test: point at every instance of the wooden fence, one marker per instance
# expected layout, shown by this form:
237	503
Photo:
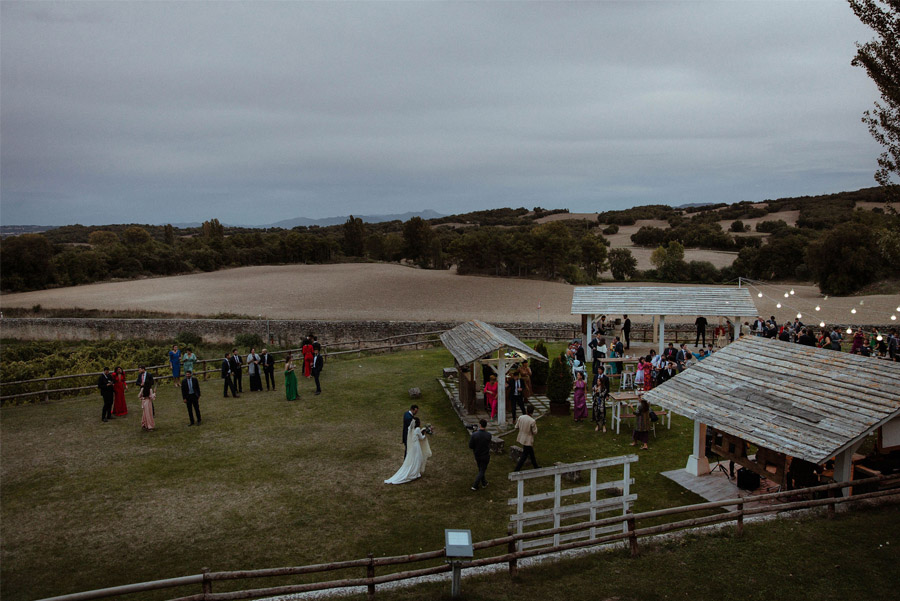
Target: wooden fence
632	534
45	388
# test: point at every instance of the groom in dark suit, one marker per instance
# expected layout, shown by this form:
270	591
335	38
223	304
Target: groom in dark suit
407	420
226	375
190	394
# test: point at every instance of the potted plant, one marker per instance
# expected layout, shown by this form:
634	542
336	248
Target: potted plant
559	386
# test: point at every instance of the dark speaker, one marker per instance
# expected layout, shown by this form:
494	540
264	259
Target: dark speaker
747	480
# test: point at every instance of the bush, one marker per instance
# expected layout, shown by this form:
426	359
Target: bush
191	339
559	381
539	368
737	226
248	341
609	230
769	227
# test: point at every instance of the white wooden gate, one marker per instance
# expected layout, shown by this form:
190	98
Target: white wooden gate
585	510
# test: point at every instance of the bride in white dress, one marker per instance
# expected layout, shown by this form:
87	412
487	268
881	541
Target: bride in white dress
417	454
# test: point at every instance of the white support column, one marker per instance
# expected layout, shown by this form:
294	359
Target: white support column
501	389
737	328
586	337
662	333
843	467
697	464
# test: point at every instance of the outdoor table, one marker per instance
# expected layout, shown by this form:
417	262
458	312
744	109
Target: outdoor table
630	401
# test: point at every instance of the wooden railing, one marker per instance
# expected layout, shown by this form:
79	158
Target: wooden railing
44	389
632	534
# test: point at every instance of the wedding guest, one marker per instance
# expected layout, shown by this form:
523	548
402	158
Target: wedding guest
307	351
253	370
580	402
317	363
237	370
290	379
316	345
527	428
490	394
525	375
480	443
120	385
175	362
146	395
190	394
626	332
106	385
641	425
267	362
188	358
517	394
227	366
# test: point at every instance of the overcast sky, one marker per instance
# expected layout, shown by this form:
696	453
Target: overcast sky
253	112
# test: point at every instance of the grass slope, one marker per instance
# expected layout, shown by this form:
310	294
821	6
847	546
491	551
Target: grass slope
264	482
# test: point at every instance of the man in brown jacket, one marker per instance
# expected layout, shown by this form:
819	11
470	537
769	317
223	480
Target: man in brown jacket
527	428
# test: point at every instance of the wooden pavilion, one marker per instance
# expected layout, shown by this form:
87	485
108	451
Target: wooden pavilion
476	342
732	303
790	401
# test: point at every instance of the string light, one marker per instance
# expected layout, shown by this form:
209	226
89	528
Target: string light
818	308
893	318
853	311
821	324
849	330
786	295
759	295
799	315
778	306
879	338
792	291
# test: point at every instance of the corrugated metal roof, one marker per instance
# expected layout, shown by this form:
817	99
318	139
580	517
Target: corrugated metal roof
804	401
717	301
474	339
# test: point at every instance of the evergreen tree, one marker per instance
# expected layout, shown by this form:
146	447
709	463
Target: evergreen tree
559	381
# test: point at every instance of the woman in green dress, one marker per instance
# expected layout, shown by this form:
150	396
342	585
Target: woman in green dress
290	379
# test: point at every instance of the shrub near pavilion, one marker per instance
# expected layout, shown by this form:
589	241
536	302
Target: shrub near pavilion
559	385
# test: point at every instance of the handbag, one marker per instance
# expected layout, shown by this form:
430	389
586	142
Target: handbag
653	416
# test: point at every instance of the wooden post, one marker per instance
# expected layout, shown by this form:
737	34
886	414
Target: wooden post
511	548
662	334
829	509
501	388
740	519
207	583
46	394
632	537
370	573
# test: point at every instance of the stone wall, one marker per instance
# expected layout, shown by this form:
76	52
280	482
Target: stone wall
287	333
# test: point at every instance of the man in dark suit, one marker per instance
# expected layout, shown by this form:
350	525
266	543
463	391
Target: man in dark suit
681	357
144	382
190	394
700	322
517	394
407	420
226	375
267	362
107	391
626	332
236	373
316	368
480	443
670	353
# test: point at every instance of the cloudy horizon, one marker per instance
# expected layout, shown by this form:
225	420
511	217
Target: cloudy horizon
251	113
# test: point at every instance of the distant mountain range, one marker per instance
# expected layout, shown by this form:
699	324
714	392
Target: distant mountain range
289	223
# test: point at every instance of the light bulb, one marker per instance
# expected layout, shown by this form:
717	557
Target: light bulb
862	302
826	297
893	318
786	295
821	324
849	330
898	309
759	295
853	311
799	315
778	305
818	308
792	290
879	338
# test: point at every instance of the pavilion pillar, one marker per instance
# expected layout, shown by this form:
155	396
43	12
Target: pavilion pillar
501	389
697	463
586	321
737	328
662	334
843	467
653	331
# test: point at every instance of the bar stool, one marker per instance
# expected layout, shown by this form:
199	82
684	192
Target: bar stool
627	381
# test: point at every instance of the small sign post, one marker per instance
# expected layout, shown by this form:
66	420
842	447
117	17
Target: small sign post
457	545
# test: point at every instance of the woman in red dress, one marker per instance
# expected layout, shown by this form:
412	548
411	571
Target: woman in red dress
119	386
490	394
307	351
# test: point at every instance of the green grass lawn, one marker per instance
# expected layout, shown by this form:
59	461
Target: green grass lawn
266	483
